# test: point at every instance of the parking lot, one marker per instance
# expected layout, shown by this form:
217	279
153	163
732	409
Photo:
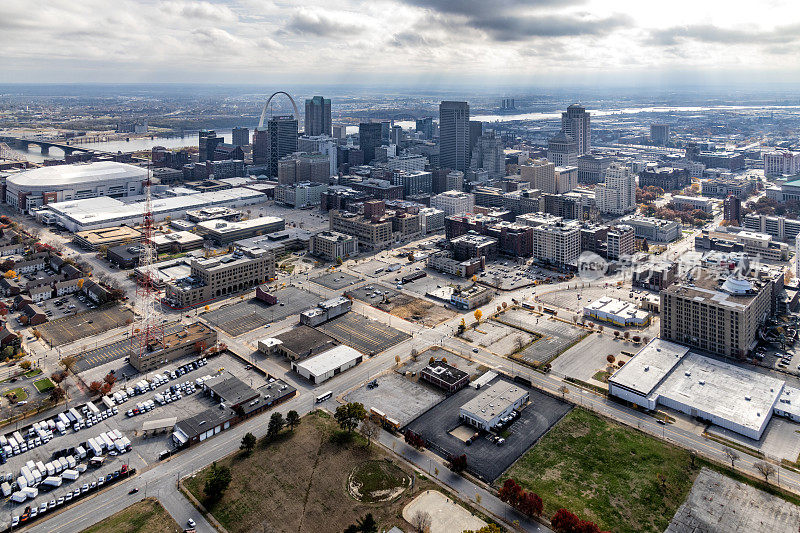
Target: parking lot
91	322
557	336
245	316
397	397
336	280
111	352
370	268
484	458
365	335
583	360
145	448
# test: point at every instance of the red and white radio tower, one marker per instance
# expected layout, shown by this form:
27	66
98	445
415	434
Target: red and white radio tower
147	330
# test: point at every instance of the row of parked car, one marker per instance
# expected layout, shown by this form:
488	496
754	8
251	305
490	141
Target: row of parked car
33	512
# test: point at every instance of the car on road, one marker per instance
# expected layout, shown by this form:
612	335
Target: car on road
133	491
191	523
475	350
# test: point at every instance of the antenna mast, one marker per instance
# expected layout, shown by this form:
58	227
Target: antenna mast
146	330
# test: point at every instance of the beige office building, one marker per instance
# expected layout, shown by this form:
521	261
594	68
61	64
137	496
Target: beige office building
332	245
214	277
370	233
721	318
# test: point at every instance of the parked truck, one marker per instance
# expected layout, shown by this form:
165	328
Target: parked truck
19	497
108	402
93	408
52	481
5	488
31	492
71	462
70	475
94	447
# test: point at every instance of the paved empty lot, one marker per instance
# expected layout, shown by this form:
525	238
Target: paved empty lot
336	280
557	336
365	335
397	397
245	316
71	328
586	358
484	458
499	338
446	515
718	503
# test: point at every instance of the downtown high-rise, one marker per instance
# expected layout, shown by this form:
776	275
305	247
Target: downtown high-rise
318	116
576	124
454	135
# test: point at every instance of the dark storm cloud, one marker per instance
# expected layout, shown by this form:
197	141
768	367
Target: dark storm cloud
475	8
521	28
708	33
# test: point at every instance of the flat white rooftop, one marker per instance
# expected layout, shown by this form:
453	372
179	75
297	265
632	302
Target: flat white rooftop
494	400
650	366
724	390
330	360
224	226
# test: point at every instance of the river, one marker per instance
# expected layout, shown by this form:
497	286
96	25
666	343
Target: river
190	138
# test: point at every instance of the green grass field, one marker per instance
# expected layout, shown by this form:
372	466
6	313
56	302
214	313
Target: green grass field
44	384
146	516
33	372
622	479
19	392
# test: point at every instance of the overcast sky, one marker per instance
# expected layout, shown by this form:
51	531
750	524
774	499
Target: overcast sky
437	42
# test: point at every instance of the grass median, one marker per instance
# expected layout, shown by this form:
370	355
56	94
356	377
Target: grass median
145	516
615	476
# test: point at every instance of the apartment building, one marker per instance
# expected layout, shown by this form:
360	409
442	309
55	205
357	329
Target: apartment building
214	277
778	227
781	162
558	244
620	242
454	202
372	233
653	229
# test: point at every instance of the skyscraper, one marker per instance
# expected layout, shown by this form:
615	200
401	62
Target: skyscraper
260	146
575	123
241	137
475	131
425	127
488	154
282	131
369	135
454	135
207	143
318	116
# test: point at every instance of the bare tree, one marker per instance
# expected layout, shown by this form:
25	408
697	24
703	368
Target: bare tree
414	354
369	430
519	342
732	456
564	390
422	521
765	469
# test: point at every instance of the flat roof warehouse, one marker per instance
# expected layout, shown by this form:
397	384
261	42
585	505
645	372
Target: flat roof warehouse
732	397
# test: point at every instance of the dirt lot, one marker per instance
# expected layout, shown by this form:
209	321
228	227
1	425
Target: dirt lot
69	329
307	494
404	306
146	516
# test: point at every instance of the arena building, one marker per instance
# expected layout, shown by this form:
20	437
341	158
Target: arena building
62	183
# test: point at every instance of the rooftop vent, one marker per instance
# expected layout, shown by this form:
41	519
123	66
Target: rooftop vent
747	398
702	382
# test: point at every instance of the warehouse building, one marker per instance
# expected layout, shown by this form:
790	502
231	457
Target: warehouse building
729	396
486	409
328	364
298	343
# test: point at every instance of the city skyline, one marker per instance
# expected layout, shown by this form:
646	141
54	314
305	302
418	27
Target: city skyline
435	43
